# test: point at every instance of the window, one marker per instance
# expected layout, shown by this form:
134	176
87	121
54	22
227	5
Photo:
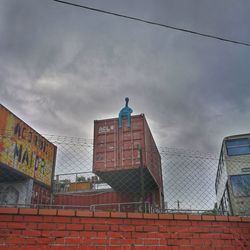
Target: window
241	185
238	146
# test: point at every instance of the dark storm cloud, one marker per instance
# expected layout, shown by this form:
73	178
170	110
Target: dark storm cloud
61	67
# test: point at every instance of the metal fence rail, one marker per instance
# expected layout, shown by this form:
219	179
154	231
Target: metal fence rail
192	181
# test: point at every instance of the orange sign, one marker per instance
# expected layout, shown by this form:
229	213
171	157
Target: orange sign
24	150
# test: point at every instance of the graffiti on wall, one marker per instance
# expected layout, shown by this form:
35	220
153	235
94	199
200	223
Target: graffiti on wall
24	149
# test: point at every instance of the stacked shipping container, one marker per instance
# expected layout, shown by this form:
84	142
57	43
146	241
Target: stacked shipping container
127	158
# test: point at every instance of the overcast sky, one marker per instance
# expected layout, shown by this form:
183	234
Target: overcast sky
62	67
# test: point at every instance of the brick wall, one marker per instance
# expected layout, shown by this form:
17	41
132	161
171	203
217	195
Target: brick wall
28	229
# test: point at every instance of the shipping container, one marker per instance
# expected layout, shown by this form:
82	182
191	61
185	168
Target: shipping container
24	153
108	200
40	194
78	186
127	158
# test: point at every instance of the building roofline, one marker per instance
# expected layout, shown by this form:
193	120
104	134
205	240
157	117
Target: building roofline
236	136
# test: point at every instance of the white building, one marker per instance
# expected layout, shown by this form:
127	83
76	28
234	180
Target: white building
232	183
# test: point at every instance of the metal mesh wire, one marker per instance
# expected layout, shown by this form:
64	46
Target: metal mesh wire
192	181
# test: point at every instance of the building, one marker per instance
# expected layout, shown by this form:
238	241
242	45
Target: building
232	183
27	162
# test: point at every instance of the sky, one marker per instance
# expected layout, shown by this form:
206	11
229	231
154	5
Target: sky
63	67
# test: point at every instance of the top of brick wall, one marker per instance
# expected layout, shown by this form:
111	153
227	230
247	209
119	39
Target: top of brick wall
82	213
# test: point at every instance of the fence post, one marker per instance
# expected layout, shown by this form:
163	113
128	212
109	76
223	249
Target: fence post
142	180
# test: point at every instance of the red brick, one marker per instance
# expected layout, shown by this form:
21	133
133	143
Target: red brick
194	217
31	211
195	229
202	223
102	214
103	220
227	236
33	218
166	216
60	240
101	234
86	220
42	240
210	236
245	219
10	248
115	222
208	217
47	211
134	221
54	233
180	216
60	226
49	226
184	235
135	215
60	219
66	212
114	234
74	233
8	218
63	248
163	248
118	215
150	228
127	228
31	233
186	248
3	224
73	241
16	225
88	227
8	210
101	228
197	241
114	228
151	216
234	218
81	213
13	240
101	241
28	248
221	218
183	223
139	229
111	248
74	227
88	234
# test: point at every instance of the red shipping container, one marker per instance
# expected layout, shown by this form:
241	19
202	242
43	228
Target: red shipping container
117	159
91	198
40	194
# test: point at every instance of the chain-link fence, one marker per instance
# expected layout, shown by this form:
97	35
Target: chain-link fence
186	181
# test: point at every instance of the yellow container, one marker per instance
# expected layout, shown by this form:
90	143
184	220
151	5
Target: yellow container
77	186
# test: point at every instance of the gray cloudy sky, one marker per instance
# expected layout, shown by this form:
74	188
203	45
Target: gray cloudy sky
62	67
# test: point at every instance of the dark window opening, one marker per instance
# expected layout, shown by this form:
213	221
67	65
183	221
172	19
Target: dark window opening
238	146
241	185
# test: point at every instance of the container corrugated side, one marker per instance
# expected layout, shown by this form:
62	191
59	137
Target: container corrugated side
118	149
